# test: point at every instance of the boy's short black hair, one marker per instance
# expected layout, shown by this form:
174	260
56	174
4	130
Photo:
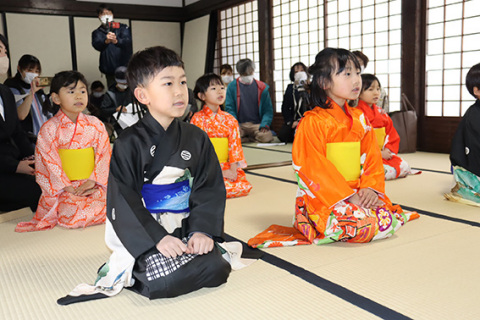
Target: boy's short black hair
97	84
245	67
226	67
28	61
146	64
103	7
205	81
473	79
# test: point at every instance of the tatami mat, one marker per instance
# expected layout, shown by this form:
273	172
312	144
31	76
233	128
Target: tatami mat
425	271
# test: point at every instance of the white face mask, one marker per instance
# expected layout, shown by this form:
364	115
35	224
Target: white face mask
227	79
4	64
97	94
301	76
246	79
106	18
122	86
29	76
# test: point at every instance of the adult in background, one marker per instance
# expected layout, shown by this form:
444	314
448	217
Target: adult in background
114	41
29	96
248	100
295	101
18	188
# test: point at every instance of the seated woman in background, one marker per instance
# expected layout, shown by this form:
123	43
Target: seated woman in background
295	101
72	159
387	137
29	95
222	128
465	153
18	188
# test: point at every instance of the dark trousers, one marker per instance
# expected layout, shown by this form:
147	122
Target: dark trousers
18	191
286	133
209	270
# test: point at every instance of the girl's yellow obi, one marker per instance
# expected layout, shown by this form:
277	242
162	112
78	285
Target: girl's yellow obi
345	156
78	164
221	148
380	134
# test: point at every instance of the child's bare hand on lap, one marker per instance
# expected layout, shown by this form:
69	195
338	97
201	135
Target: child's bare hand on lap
86	188
199	244
171	247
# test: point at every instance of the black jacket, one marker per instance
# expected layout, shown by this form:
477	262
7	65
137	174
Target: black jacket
466	141
112	55
14	144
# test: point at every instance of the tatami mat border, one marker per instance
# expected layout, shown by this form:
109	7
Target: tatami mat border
434	171
328	286
266	149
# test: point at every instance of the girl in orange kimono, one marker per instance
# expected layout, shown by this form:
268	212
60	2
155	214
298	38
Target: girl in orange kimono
72	159
222	128
341	185
387	137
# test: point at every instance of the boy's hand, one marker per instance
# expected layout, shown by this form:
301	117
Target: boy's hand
171	247
199	244
230	174
85	188
387	154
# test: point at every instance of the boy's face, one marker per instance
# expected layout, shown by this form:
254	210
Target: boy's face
166	95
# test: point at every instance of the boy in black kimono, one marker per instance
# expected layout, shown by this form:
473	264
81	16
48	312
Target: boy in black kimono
465	152
166	196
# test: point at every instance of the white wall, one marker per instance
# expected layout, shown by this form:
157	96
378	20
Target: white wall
195	48
45	37
147	34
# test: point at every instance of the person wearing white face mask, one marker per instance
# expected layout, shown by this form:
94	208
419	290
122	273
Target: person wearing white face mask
117	98
29	95
248	100
295	101
18	188
114	41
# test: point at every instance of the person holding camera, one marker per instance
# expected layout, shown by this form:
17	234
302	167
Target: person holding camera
114	41
29	95
295	101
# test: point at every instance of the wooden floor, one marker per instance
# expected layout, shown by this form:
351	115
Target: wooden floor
427	270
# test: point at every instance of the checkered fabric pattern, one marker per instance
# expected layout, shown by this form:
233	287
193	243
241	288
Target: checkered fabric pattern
160	266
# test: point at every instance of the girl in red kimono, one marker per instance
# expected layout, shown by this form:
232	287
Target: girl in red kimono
72	158
222	129
387	137
341	184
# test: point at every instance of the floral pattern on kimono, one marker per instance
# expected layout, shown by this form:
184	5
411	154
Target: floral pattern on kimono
57	206
323	213
224	125
395	167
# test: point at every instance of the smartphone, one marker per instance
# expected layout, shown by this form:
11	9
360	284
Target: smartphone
44	81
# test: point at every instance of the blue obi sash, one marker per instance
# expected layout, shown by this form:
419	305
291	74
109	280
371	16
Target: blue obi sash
167	197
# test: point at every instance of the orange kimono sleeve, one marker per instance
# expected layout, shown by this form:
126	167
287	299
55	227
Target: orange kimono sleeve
372	175
235	150
319	175
393	139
